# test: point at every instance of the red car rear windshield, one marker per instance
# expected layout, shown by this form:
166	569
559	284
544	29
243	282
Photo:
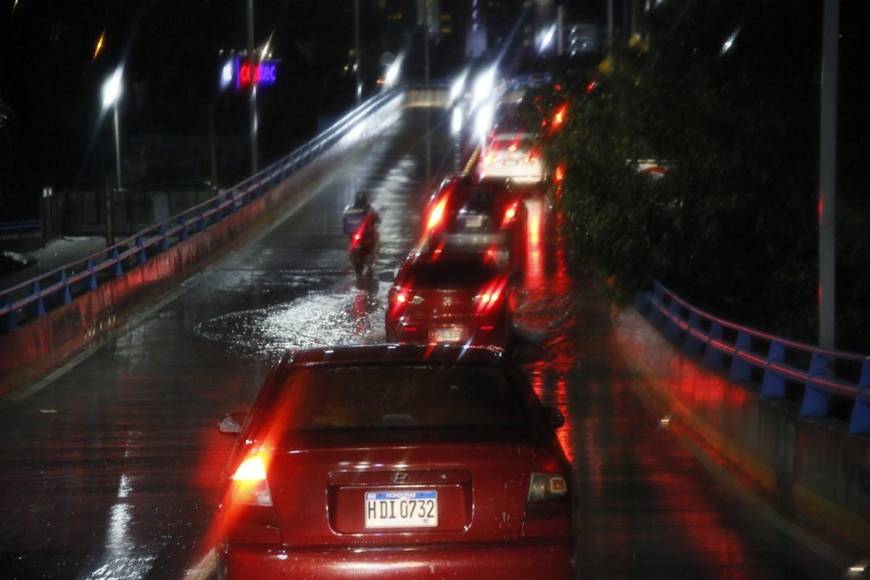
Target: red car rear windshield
452	274
389	397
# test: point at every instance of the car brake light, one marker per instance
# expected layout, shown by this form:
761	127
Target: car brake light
250	484
547	486
399	297
436	216
509	214
559	117
490	295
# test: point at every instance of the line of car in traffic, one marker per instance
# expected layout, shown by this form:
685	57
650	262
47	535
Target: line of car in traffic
427	456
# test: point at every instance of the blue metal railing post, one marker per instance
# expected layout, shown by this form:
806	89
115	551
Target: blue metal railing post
816	401
9	317
92	275
672	327
64	288
182	221
860	421
773	383
142	256
39	309
164	241
740	369
712	355
692	344
118	268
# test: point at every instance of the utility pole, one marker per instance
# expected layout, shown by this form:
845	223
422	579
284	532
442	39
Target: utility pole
609	25
426	42
426	81
356	54
828	175
110	234
252	59
117	146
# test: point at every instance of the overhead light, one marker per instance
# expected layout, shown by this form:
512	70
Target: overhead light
112	88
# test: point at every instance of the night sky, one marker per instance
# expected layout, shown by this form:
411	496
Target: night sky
171	50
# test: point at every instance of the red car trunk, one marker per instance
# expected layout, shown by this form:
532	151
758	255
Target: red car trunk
440	304
320	493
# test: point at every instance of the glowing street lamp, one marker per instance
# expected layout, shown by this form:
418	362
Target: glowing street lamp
392	74
112	89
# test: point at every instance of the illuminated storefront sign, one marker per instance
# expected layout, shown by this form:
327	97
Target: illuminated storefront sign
246	73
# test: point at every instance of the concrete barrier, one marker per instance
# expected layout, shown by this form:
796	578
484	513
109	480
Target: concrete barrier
815	469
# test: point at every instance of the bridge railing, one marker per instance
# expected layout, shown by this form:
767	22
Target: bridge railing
19	226
34	297
826	377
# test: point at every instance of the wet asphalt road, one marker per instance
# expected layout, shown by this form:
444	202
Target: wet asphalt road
112	470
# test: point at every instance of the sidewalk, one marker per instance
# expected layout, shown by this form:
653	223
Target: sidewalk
54	255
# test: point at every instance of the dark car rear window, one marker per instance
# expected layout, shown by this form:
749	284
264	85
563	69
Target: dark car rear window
452	274
390	397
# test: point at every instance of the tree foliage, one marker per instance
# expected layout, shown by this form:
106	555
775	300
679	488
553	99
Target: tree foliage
732	225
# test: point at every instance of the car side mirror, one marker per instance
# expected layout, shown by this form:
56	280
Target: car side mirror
232	424
554	417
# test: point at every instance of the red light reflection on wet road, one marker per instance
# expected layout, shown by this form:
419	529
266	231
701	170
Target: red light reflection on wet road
545	285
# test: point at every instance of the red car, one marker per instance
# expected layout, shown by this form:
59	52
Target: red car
478	215
397	461
442	295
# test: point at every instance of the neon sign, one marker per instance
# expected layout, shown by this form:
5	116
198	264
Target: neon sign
247	74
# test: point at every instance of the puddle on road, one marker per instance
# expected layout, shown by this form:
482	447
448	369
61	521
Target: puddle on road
343	317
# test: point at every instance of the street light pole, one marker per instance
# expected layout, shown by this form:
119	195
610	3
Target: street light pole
252	59
609	26
117	146
356	54
426	80
828	175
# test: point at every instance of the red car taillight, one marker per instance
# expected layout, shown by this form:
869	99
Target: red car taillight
490	296
510	214
437	215
548	506
250	486
547	486
250	514
399	298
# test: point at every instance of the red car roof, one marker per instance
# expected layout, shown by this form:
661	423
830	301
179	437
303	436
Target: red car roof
396	354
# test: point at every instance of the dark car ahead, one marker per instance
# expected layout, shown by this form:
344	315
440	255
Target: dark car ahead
444	295
398	461
482	215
